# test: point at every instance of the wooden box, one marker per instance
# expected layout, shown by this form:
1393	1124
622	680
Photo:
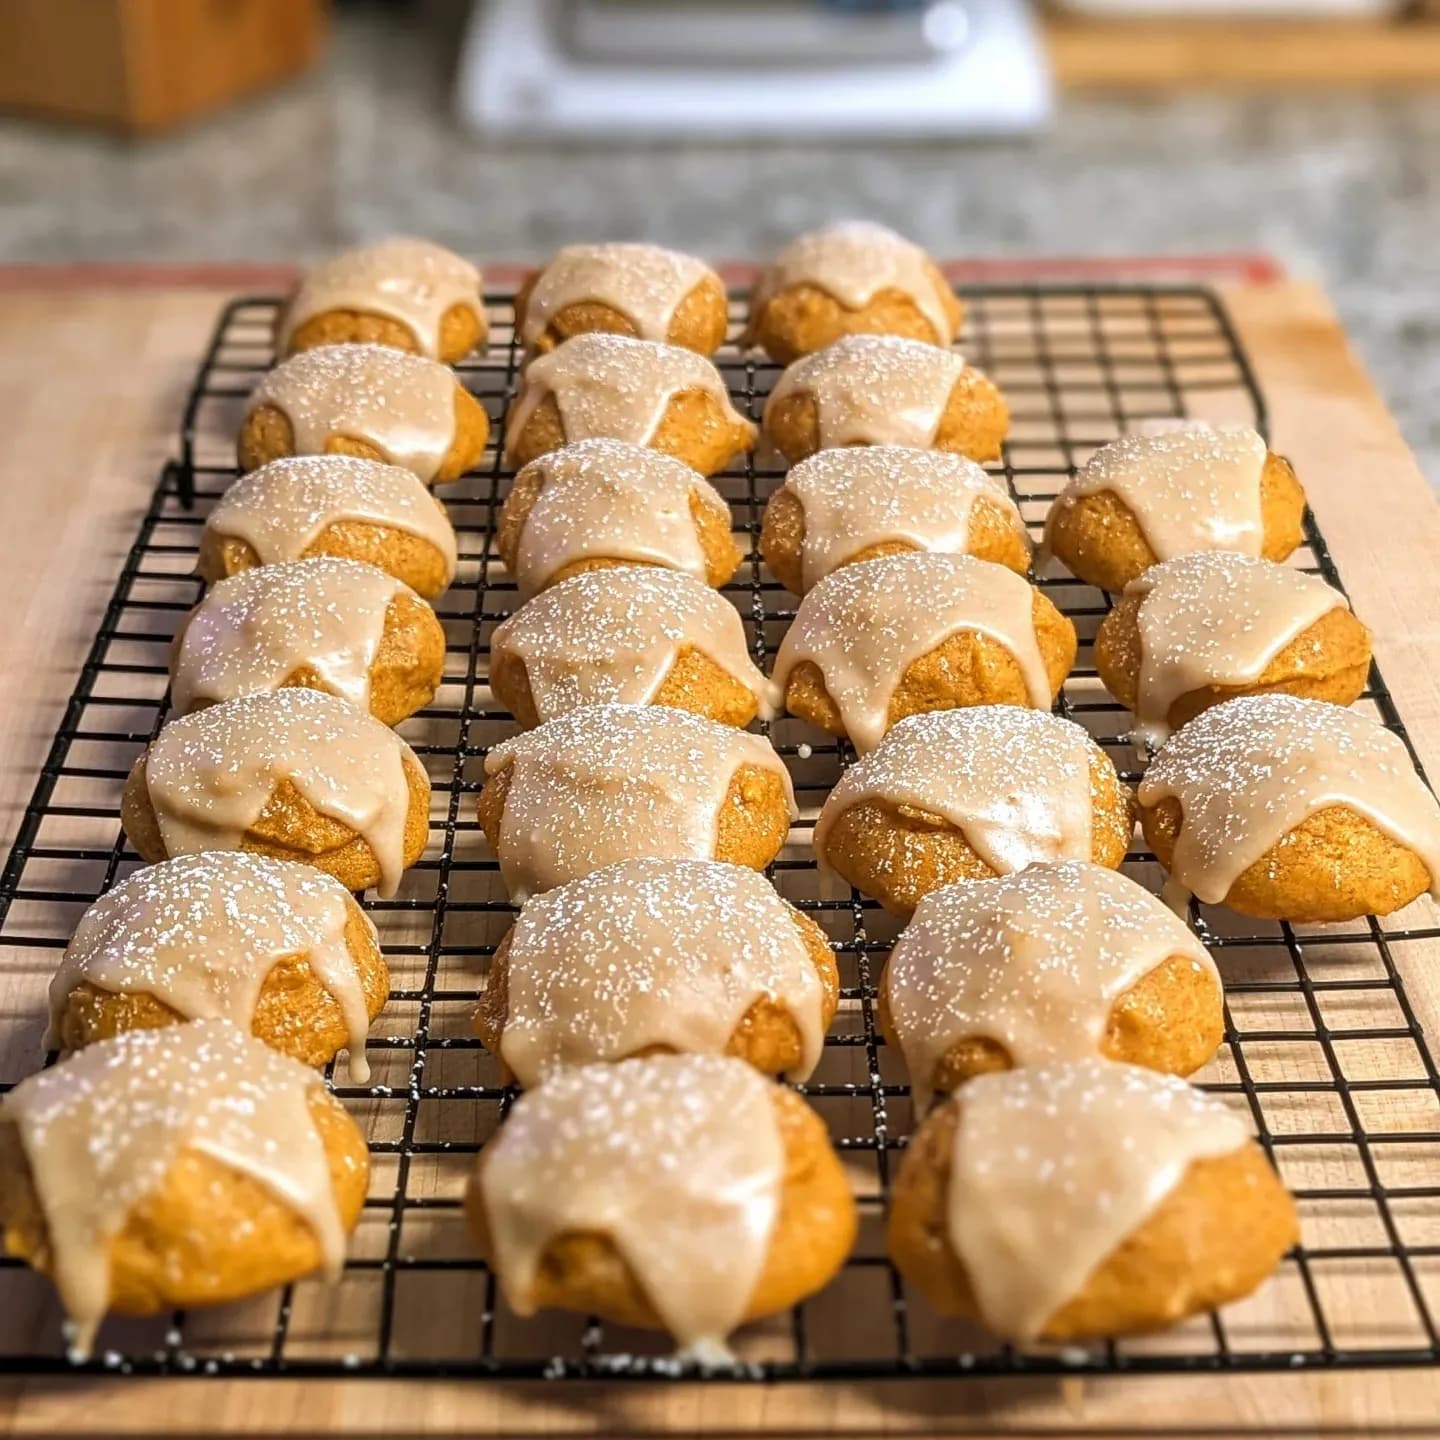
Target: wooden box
145	65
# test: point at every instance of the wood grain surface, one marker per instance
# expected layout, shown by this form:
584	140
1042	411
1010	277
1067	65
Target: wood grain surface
91	384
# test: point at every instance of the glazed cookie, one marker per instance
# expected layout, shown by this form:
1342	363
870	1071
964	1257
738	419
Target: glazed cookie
882	390
1083	1199
621	782
602	386
323	624
294	774
639	636
176	1167
660	956
1056	962
968	795
1291	809
368	401
681	1192
1171	489
276	948
337	505
853	278
643	291
407	294
602	503
1206	627
887	638
859	503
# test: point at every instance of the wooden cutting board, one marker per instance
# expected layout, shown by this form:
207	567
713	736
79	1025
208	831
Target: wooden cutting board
94	367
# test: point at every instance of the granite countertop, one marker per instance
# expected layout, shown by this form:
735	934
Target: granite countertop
1344	189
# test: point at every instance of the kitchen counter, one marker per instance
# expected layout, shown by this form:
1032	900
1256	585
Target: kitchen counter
1343	189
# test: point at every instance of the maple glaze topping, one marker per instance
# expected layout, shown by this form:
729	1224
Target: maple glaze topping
102	1129
670	953
1216	618
874	390
403	404
644	283
853	261
413	281
201	933
253	631
1055	1165
863	626
615	386
1248	771
1190	485
282	508
1014	782
211	774
616	782
677	1160
1032	960
861	496
616	500
614	635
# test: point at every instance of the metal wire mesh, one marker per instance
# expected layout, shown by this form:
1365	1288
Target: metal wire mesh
1322	1046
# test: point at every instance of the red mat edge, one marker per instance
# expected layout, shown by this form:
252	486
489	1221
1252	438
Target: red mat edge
1254	269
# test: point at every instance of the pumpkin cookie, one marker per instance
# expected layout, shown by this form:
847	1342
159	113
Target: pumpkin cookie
602	503
176	1167
681	1192
1291	809
278	949
852	278
644	291
294	774
1169	490
875	642
633	635
406	294
660	956
862	502
883	390
1081	1199
369	401
968	795
620	782
611	386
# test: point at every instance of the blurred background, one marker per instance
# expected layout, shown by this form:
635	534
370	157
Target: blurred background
278	130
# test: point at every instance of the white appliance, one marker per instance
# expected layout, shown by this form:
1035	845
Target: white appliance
702	68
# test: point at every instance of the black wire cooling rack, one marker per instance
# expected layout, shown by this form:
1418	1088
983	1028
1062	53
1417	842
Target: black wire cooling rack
1322	1046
